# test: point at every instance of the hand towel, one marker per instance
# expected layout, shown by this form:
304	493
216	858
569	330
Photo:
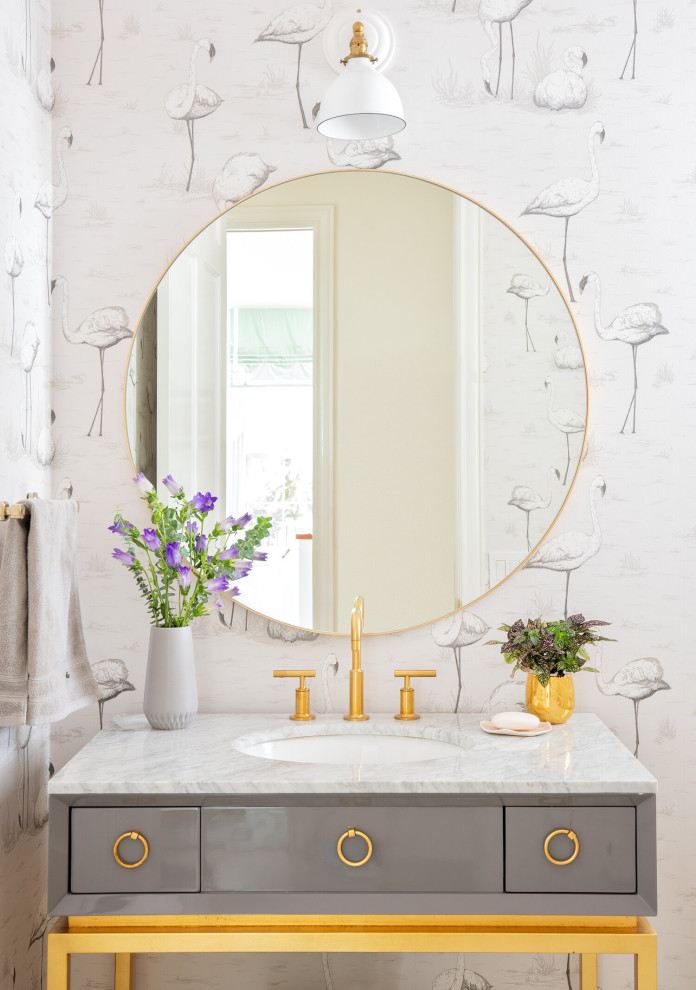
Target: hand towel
44	669
13	621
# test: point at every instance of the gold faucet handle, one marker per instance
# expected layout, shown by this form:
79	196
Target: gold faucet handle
302	713
407	713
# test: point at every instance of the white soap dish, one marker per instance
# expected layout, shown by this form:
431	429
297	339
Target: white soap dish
539	730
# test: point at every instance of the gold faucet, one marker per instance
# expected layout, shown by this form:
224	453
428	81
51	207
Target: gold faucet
355	706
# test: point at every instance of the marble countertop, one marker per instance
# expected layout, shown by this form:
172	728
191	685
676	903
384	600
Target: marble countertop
128	757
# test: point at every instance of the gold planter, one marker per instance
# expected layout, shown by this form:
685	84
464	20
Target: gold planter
553	703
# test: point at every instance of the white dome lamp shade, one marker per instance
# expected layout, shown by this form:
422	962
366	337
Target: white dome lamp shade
360	104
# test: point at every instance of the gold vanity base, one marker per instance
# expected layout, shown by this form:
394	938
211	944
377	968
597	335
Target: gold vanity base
123	936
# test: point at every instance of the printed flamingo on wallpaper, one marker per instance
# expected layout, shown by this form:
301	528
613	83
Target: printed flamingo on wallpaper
525	287
328	982
460	978
565	420
635	325
103	329
456	631
50	198
568	197
192	101
14	260
100	51
500	693
45	444
571	550
632	49
566	355
564	89
44	87
27	355
528	500
23	737
239	177
112	677
64	488
296	26
230	625
636	680
26	57
41	801
37	935
289	634
492	12
368	154
329	664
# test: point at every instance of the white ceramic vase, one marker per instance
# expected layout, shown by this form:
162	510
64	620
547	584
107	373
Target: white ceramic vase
171	695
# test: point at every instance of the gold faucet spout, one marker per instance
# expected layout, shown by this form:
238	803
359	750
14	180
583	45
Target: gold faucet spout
357	619
355	706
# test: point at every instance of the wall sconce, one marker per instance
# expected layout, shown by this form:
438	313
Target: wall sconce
361	103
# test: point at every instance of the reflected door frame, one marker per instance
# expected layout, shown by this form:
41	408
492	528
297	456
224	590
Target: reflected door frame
319	219
191	385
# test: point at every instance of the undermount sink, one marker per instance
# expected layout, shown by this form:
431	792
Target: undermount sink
351	748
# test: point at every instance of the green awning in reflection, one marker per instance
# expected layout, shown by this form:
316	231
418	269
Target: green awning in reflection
281	337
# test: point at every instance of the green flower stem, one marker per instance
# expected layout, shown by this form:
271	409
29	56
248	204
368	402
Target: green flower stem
153	588
198	588
167	612
155	584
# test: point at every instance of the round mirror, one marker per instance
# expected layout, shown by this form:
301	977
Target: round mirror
383	367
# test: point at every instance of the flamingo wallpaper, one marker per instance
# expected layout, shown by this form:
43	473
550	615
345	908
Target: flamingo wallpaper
160	115
27	450
530	448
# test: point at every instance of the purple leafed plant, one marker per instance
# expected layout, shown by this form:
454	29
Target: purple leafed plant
175	563
549	649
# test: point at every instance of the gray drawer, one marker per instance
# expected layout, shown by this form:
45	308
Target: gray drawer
294	849
606	862
172	864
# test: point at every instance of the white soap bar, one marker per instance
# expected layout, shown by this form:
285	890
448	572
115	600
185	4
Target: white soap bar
515	720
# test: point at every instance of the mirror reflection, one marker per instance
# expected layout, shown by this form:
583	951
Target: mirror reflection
386	370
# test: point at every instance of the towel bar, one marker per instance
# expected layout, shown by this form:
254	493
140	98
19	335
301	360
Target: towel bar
17	511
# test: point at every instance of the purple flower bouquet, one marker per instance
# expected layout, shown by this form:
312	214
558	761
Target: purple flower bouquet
176	565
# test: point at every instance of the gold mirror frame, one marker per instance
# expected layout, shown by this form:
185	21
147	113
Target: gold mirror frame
554	281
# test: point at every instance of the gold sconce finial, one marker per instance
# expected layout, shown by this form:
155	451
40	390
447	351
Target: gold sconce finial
358	44
361	103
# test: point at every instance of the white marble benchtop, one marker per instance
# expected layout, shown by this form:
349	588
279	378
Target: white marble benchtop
128	757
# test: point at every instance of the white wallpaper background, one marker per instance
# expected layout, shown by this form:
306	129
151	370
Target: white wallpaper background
126	215
26	450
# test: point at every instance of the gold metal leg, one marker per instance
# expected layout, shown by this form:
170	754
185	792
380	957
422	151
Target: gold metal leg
58	965
646	964
588	971
123	971
124	936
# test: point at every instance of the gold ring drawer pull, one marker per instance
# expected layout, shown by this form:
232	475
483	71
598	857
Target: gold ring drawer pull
573	838
350	834
146	850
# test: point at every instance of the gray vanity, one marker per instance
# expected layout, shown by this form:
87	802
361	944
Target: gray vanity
216	830
254	833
